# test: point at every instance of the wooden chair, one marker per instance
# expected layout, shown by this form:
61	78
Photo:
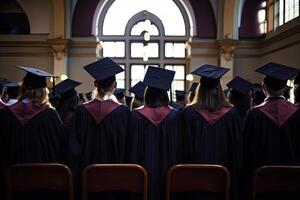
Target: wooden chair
110	177
50	176
198	177
270	179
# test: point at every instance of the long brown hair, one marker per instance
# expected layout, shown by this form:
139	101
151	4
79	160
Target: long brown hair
210	99
38	96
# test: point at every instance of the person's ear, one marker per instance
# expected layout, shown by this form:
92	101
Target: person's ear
95	83
264	88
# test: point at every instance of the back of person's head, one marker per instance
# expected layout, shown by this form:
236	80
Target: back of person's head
68	103
210	99
240	101
105	86
38	96
273	87
13	93
155	97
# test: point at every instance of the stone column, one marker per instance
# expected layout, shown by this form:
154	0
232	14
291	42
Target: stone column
60	53
227	48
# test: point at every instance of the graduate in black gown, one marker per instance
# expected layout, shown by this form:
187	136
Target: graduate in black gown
68	100
119	94
153	134
100	125
31	130
138	91
271	131
180	100
211	131
13	92
239	96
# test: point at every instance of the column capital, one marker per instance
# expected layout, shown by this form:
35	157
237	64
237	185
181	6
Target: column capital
227	48
59	47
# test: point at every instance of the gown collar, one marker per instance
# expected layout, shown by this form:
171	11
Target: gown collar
277	109
213	117
24	111
100	109
155	115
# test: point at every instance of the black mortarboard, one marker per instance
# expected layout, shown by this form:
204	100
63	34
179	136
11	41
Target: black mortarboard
119	93
35	78
12	85
180	95
193	87
159	78
103	69
138	90
240	85
276	75
210	75
66	88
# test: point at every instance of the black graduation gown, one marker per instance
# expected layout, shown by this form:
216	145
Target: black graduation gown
271	137
212	138
31	135
153	138
97	134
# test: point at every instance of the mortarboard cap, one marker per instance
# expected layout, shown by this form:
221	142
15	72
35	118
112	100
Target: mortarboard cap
210	75
119	93
138	90
159	78
240	85
12	85
66	88
193	87
35	78
180	95
103	69
276	75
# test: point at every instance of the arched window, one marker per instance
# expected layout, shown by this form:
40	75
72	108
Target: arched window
139	33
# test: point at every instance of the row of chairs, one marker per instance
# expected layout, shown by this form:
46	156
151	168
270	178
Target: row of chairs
134	178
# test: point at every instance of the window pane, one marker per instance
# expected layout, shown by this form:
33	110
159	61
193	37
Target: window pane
120	78
113	49
138	50
174	50
138	72
180	74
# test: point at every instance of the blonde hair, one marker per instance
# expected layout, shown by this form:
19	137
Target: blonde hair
38	96
210	99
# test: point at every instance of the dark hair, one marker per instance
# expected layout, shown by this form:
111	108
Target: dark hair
156	97
66	105
105	85
13	93
210	99
240	101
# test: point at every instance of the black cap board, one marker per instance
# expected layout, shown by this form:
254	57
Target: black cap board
35	78
240	85
119	93
138	90
276	75
103	68
180	95
210	75
67	87
159	78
